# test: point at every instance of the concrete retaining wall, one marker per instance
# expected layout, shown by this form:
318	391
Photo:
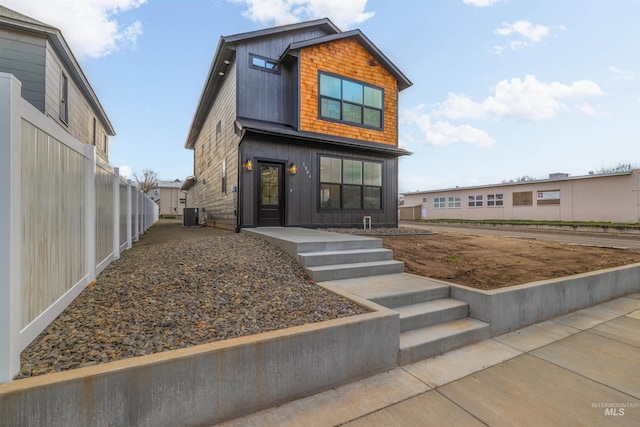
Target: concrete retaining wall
512	308
210	383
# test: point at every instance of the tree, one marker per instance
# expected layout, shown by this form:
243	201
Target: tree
620	167
148	181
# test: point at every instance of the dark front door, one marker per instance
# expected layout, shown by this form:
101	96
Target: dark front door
270	203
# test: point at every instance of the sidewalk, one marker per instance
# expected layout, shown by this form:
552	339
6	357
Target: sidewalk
578	369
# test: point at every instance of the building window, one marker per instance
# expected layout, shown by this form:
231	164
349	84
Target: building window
95	132
475	201
424	200
523	198
454	202
64	99
439	203
495	200
350	184
104	144
264	64
349	101
224	176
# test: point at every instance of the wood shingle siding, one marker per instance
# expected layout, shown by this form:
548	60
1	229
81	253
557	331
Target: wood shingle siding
349	59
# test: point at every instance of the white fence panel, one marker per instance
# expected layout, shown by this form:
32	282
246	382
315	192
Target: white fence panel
66	216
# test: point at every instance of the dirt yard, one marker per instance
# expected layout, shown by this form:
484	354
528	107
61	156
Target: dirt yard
490	262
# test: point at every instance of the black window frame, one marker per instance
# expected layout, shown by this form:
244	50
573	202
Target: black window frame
64	99
345	102
362	186
276	65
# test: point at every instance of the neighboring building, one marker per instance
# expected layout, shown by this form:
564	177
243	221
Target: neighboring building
297	126
613	197
52	81
168	197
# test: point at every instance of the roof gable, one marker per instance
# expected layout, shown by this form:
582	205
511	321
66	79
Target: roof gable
403	81
11	18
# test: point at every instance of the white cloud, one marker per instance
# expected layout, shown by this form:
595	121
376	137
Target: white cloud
442	133
90	27
521	99
525	32
343	13
125	171
480	3
619	74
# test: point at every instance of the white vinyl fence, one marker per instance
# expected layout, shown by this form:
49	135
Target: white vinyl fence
64	216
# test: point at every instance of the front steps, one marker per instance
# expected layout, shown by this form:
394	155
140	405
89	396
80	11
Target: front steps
431	323
346	260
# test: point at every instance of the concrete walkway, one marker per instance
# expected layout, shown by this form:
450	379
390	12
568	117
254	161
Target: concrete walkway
579	369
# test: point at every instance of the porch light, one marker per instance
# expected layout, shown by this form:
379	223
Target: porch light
293	169
248	165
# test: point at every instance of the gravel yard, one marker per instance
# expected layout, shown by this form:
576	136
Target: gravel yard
180	287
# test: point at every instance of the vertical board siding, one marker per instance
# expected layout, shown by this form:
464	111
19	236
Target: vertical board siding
105	222
53	219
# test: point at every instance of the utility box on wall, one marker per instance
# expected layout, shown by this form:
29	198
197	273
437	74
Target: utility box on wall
190	217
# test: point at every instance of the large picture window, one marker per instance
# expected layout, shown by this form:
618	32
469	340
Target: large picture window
349	101
350	184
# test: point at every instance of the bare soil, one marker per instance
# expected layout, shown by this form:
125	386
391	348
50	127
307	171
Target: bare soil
490	262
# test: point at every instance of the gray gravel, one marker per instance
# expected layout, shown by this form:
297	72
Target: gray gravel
177	294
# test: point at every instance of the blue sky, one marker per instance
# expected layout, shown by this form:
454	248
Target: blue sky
501	89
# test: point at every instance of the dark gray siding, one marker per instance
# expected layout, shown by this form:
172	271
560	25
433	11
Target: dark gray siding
301	191
23	55
263	95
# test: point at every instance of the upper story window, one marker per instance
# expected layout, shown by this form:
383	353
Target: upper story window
264	64
349	101
64	98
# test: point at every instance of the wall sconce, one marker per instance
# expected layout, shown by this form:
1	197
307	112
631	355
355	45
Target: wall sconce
248	165
293	169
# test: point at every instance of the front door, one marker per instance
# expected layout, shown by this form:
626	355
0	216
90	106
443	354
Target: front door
270	203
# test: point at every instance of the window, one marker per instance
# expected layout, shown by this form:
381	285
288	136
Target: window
350	184
523	198
64	98
264	64
224	176
454	202
218	130
424	200
475	201
95	132
439	203
350	101
495	200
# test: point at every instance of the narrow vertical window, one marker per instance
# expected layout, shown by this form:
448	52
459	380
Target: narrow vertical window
64	98
95	131
224	176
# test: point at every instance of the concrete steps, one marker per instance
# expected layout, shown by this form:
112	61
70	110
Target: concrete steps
314	259
429	313
433	340
324	273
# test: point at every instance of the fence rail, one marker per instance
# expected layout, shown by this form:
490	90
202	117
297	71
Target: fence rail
65	216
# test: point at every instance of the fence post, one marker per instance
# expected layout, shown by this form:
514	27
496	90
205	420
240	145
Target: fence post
90	212
10	226
129	213
137	216
116	213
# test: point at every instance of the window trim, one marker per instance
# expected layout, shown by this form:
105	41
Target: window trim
342	102
495	202
342	184
275	63
475	201
440	201
455	204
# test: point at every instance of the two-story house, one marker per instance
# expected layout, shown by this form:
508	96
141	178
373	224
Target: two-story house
52	80
297	126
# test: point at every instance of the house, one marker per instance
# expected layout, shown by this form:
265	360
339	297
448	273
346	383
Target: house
297	125
609	197
52	80
168	197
